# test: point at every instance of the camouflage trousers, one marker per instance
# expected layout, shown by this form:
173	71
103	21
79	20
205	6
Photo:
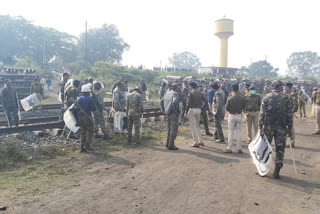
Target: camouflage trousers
12	116
98	119
279	134
173	125
218	134
86	132
134	120
204	117
182	119
302	109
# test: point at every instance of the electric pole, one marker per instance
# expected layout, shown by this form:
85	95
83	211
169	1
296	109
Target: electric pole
86	48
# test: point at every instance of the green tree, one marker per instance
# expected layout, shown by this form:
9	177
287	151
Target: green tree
304	64
20	38
185	60
103	44
261	68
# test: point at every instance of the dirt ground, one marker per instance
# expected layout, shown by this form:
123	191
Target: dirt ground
151	179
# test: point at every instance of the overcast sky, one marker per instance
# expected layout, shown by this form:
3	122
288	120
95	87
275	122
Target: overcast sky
155	29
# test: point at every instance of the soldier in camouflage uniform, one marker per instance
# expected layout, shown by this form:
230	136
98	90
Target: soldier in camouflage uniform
184	98
9	101
275	121
70	96
62	84
71	93
163	89
170	106
134	112
36	88
119	99
218	112
294	100
288	91
204	114
98	117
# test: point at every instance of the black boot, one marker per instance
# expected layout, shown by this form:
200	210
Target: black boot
82	149
276	172
208	133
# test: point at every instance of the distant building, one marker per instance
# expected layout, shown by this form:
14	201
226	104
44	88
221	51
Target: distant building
222	72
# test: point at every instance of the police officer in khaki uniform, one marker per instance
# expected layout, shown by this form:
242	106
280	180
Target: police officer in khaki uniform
252	108
98	117
316	101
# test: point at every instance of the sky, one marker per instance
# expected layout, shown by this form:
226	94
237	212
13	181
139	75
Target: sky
155	29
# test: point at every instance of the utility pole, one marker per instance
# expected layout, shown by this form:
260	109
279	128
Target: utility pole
43	52
86	48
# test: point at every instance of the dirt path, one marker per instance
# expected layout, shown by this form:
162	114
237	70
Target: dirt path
191	180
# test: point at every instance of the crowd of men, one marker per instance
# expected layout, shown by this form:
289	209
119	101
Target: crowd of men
271	115
86	101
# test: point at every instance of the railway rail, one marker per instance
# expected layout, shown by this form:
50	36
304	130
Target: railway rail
58	106
38	124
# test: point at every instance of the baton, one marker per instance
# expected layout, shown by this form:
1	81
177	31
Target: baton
141	127
294	162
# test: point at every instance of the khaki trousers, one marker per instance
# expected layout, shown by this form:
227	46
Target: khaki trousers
252	121
234	130
194	122
317	107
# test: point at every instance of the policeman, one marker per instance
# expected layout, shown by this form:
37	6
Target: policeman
316	101
218	111
119	99
287	89
72	93
275	121
163	89
204	114
170	106
10	103
37	88
86	105
302	105
252	108
294	101
184	98
134	112
98	117
70	96
313	112
62	85
144	89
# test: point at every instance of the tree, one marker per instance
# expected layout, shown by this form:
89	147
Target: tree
103	44
304	64
261	68
20	38
185	61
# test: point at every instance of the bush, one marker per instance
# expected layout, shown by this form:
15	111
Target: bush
10	154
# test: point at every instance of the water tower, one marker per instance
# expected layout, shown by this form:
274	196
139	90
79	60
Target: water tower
224	29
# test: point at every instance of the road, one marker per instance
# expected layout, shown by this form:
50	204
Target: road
190	180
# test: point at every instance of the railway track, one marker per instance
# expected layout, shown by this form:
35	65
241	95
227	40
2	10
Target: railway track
58	106
38	124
